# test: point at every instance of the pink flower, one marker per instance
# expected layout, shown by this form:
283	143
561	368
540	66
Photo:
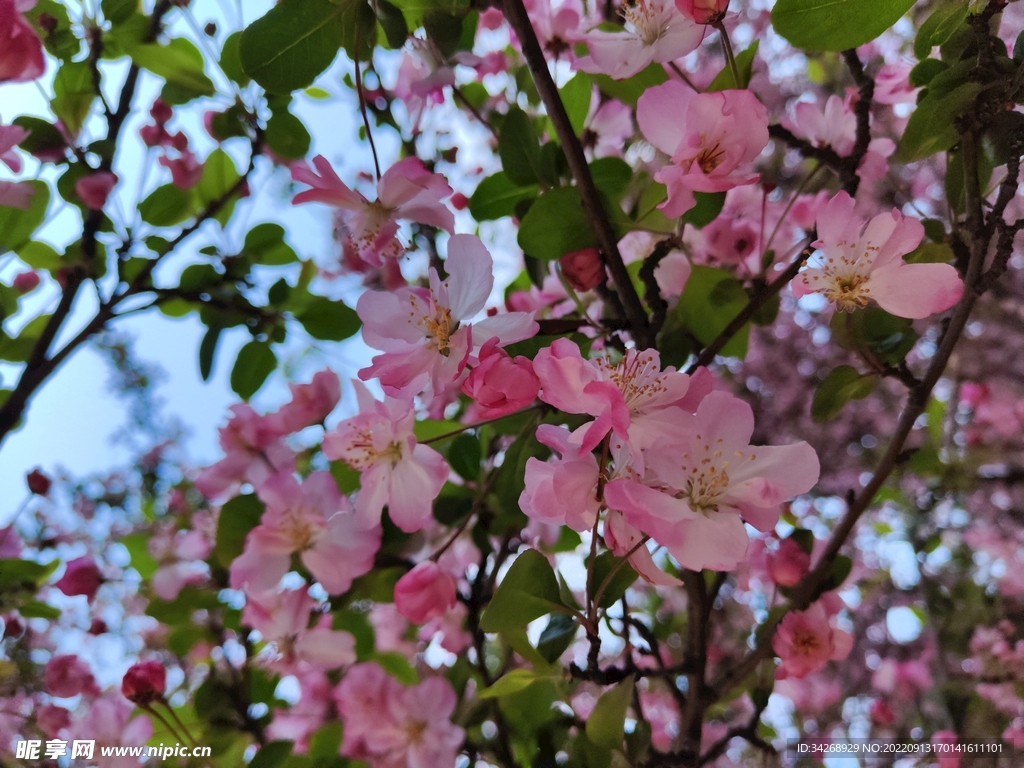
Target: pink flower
562	491
310	404
422	77
21	52
254	451
186	171
712	139
10	137
655	32
835	127
892	85
948	758
52	719
557	28
583	269
703	11
607	127
379	443
283	619
425	335
108	721
861	263
95	188
406	191
625	398
426	592
67	676
705	479
806	641
788	564
144	683
501	384
81	577
394	725
16	194
313	521
25	281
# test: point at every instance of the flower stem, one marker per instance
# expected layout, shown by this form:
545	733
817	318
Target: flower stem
727	48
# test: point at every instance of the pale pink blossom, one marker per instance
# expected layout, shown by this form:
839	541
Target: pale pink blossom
67	675
300	721
705	480
422	77
892	85
834	126
10	137
379	443
253	452
625	398
449	628
947	758
788	564
21	52
425	334
806	641
861	263
406	191
703	11
310	404
16	194
109	722
561	491
424	593
811	694
557	28
181	557
711	138
655	32
95	188
607	128
624	539
313	520
283	619
501	384
393	725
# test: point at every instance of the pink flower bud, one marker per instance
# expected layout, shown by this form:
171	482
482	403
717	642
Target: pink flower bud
185	170
81	577
881	713
51	719
161	111
583	269
144	682
38	483
501	384
66	676
95	188
98	626
789	564
703	11
459	201
424	593
25	282
13	627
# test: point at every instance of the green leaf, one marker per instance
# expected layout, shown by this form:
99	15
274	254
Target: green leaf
231	61
298	39
119	11
606	724
329	320
631	89
17	225
35	609
207	349
624	577
237	517
167	206
179	63
709	205
515	681
612	176
576	97
842	385
938	27
464	456
835	25
18	574
557	636
255	362
497	196
219	176
39	255
519	148
272	755
841	568
326	741
287	136
44	136
265	245
555	225
528	591
396	665
725	81
931	127
73	95
392	21
137	545
887	337
710	300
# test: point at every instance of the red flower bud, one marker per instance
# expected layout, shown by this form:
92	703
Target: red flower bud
583	269
144	683
38	483
81	577
459	201
25	282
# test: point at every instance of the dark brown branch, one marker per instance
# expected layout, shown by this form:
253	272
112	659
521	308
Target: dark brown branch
862	109
824	155
633	309
652	293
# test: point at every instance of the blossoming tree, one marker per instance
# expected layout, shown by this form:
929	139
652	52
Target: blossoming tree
735	460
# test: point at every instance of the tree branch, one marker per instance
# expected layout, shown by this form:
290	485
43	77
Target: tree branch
633	309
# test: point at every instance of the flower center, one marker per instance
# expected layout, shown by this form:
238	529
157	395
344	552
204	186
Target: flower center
710	158
299	531
806	643
361	452
439	328
644	20
637	377
849	292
